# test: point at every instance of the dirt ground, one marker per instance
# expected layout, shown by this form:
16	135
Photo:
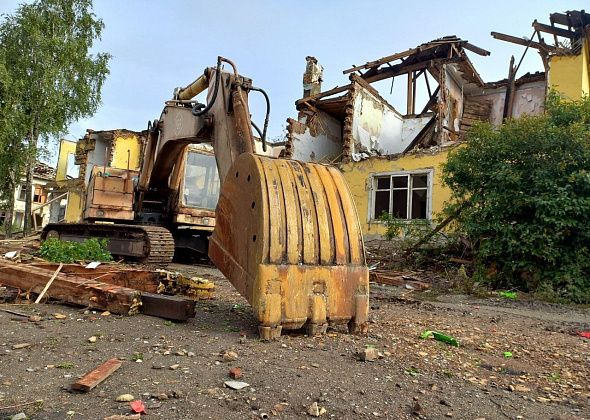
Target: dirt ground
547	377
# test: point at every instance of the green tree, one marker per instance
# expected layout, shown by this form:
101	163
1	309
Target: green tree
52	76
527	189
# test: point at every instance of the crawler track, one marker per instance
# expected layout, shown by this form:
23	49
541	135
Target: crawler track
148	244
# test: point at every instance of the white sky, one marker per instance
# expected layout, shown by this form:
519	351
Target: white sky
158	45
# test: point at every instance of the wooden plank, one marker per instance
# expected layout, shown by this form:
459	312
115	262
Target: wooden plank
382	60
554	30
396	279
72	289
56	272
95	377
337	89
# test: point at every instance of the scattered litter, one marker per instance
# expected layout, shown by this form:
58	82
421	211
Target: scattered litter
125	398
229	356
19	416
585	334
95	377
237	385
57	315
138	407
315	411
11	255
92	339
369	354
105	313
440	337
235	373
123	417
21	346
507	354
92	265
508	294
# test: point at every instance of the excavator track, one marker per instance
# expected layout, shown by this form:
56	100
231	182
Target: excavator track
148	244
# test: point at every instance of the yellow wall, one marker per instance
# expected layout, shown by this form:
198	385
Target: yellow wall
66	147
74	207
358	174
569	74
126	147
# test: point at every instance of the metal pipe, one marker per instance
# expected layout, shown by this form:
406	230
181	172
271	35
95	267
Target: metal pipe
196	87
231	63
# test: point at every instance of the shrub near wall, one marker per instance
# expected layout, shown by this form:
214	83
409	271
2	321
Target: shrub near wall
527	186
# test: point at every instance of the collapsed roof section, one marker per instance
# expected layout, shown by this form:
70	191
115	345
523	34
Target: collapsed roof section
566	31
354	121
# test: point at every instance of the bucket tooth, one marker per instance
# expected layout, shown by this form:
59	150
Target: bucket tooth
287	236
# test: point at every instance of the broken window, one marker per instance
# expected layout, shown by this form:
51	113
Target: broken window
40	195
403	195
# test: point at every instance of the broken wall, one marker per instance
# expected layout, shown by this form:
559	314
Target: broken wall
318	139
529	99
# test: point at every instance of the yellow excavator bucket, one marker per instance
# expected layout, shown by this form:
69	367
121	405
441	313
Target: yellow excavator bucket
288	238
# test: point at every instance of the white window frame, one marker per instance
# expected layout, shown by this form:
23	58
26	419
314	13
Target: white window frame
373	188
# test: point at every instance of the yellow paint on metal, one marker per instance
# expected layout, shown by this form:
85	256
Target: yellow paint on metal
287	238
194	88
127	148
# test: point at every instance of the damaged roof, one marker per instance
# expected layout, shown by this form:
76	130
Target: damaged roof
448	49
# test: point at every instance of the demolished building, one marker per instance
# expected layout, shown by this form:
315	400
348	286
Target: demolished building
392	159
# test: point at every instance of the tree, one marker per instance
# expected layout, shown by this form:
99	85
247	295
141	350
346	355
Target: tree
527	189
52	76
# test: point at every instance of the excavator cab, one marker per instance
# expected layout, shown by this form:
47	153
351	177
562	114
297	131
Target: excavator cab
287	234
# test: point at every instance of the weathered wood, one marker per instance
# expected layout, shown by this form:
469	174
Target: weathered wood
72	289
477	50
383	60
337	89
168	307
55	273
95	377
521	41
554	30
396	279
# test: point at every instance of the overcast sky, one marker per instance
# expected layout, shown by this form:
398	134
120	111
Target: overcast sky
160	44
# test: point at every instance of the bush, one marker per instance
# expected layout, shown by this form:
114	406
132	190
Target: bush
526	185
67	252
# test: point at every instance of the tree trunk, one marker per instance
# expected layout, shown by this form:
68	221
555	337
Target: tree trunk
28	197
9	215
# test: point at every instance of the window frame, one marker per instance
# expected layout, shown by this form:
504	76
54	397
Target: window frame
371	218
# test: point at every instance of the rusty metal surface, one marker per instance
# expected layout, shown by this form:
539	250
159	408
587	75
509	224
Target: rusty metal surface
288	238
110	194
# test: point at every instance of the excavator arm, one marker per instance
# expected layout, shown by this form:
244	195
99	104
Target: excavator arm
287	234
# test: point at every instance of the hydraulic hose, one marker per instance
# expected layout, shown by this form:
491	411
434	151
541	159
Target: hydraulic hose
199	112
265	127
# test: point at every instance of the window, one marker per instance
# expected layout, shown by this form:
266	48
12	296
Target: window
201	181
22	193
403	195
40	195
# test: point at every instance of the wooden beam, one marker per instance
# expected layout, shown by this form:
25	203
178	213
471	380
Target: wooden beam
404	68
410	94
382	60
477	50
560	18
522	41
554	30
337	89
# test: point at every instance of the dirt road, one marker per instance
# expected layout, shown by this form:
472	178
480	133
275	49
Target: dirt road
182	371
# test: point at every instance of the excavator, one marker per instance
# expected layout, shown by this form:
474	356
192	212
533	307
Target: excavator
286	235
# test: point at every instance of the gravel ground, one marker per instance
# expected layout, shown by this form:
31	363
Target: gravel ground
547	377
